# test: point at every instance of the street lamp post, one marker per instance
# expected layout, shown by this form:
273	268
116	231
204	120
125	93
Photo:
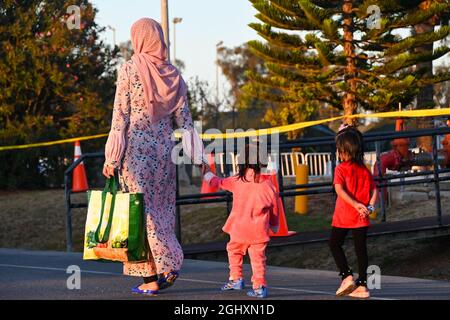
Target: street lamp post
218	45
114	43
165	24
175	21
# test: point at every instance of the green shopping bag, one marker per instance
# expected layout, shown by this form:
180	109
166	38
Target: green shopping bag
115	225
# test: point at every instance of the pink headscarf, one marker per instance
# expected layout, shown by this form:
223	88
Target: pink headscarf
164	88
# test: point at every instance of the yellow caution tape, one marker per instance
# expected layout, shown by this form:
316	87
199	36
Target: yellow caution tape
306	124
51	143
260	132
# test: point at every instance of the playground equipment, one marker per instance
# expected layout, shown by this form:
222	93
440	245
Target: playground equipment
401	158
446	146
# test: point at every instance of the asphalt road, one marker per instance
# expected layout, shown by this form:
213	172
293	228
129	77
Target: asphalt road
43	275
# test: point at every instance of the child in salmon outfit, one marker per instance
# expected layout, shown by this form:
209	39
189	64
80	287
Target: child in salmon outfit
254	212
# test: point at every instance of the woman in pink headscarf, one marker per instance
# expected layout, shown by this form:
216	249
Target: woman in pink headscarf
150	94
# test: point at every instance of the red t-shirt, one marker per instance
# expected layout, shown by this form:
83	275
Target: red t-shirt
358	182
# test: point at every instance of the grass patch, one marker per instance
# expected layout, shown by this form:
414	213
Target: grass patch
305	223
201	225
36	220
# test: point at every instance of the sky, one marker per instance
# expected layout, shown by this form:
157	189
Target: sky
205	23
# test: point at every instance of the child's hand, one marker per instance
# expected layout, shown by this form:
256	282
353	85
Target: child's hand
362	209
363	216
205	169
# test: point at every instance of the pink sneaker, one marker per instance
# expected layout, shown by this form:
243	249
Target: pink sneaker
347	286
360	292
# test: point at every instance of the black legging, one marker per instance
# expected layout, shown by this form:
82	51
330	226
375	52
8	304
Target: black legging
359	239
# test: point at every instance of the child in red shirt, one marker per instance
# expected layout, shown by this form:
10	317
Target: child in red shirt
356	198
254	212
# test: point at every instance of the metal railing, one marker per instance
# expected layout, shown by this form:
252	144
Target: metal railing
383	180
68	193
319	163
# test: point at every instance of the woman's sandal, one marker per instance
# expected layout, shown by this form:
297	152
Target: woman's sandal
168	280
145	291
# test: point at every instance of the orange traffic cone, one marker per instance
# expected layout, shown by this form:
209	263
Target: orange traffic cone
79	180
283	230
206	188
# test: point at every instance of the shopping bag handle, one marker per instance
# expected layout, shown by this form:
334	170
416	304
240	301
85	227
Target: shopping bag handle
111	186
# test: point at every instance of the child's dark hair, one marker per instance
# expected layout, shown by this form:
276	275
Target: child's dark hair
350	141
251	161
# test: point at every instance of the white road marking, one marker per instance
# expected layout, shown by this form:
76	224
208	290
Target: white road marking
54	269
180	279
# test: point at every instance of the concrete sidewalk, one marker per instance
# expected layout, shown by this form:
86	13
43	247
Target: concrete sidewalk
42	275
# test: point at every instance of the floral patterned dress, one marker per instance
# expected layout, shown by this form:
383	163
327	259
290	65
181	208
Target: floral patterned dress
141	150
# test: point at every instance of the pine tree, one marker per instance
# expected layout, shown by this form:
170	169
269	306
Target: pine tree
337	54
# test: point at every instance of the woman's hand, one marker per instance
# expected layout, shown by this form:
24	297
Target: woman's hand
108	170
